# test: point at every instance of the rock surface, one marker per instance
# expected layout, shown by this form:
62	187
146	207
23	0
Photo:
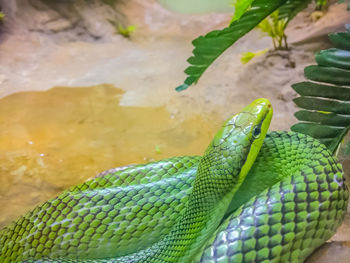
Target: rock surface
67	20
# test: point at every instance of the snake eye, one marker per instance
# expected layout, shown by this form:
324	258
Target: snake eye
256	132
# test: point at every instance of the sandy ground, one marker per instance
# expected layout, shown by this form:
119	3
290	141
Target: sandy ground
148	66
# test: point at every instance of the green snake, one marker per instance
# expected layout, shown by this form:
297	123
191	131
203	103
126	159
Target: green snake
249	198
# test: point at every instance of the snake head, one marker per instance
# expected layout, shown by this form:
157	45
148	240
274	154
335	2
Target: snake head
241	137
254	121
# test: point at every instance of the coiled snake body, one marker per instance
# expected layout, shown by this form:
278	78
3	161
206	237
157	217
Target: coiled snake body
234	204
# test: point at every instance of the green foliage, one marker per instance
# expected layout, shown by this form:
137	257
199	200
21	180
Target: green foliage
248	14
209	47
291	8
241	6
321	4
274	27
248	56
125	31
2	16
325	98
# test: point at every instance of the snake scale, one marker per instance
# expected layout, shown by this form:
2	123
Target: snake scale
233	204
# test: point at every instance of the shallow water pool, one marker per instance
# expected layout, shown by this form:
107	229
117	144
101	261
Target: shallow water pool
53	139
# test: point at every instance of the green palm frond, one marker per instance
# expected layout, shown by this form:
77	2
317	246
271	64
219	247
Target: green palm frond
209	47
326	97
291	8
248	14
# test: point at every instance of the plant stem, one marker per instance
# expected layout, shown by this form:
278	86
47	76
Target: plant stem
285	42
274	43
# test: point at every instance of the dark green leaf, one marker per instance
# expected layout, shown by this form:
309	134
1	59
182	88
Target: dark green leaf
209	47
334	144
318	90
310	103
317	131
341	40
327	114
328	74
334	58
331	119
291	8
